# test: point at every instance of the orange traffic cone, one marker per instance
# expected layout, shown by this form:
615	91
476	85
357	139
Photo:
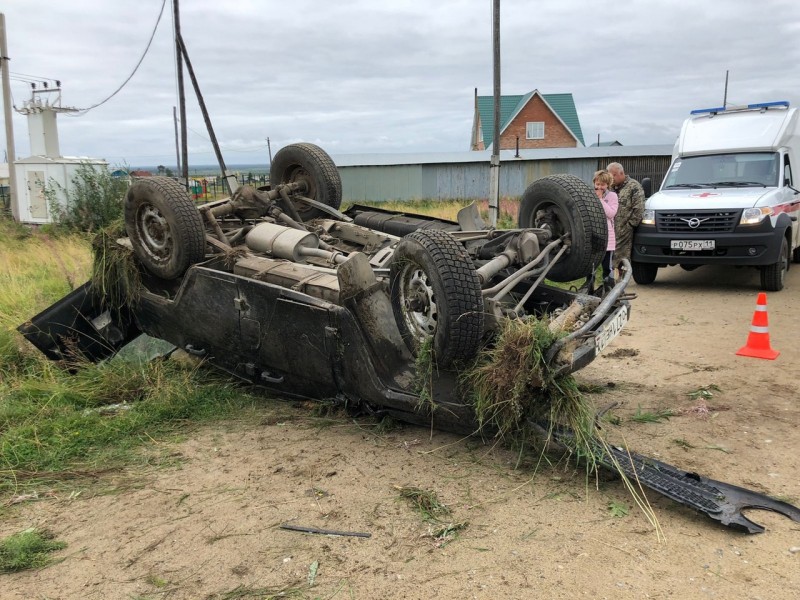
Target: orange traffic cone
758	341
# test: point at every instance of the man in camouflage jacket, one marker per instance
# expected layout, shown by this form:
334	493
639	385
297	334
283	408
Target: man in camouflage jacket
629	213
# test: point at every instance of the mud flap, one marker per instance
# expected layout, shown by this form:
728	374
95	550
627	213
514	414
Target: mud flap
722	502
78	326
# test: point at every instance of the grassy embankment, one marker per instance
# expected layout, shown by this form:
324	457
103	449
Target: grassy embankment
56	425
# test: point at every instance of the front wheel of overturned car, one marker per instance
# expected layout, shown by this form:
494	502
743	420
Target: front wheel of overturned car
773	276
436	293
644	273
164	226
566	205
311	166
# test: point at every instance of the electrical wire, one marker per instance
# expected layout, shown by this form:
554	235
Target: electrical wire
32	78
83	111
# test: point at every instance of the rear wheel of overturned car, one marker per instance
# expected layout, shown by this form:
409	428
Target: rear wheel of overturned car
644	273
436	293
774	275
312	167
164	226
567	205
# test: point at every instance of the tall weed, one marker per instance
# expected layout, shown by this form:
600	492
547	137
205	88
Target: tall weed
93	201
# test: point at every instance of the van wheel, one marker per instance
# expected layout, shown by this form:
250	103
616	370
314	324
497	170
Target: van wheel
774	275
796	255
644	273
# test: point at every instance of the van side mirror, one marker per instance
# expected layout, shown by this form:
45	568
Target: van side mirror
647	186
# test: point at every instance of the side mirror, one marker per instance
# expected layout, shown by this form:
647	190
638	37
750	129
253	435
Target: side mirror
647	186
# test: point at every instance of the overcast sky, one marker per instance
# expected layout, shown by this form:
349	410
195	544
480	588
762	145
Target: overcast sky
364	76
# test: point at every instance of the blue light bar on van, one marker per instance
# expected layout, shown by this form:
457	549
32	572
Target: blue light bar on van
759	106
700	111
783	103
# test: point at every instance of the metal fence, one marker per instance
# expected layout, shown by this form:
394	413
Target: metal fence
452	180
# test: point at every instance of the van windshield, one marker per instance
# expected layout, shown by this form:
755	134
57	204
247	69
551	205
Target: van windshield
746	169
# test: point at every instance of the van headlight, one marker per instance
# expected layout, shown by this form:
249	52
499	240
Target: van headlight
649	217
754	216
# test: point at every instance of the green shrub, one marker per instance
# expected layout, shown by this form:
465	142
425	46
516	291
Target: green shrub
94	200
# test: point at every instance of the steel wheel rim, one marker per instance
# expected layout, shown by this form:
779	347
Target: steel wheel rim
154	232
418	302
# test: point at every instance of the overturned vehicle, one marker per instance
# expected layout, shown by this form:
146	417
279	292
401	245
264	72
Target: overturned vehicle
279	287
378	310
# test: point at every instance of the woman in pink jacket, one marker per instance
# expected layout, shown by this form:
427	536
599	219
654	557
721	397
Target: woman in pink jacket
602	181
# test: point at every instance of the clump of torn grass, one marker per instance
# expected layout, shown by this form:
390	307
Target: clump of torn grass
425	366
29	549
115	277
511	385
425	502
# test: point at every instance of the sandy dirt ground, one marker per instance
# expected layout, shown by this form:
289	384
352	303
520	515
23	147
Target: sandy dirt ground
205	523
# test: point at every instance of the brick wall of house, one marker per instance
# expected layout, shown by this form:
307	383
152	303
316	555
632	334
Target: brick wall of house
556	135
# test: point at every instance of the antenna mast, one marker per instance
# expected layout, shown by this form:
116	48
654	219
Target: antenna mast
725	96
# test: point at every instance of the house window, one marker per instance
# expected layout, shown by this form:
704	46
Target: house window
534	130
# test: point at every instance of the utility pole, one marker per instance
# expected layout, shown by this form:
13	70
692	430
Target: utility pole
177	143
184	163
494	165
230	178
10	151
269	149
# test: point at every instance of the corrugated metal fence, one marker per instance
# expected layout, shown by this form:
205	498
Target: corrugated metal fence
469	179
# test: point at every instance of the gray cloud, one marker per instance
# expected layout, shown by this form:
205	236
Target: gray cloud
362	76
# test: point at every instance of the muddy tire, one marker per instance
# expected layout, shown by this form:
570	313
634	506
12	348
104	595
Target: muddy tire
773	276
567	205
311	165
644	273
436	293
164	226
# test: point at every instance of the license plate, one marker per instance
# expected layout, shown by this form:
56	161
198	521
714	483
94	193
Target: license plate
692	244
610	329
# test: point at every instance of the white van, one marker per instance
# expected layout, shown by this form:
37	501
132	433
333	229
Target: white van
729	196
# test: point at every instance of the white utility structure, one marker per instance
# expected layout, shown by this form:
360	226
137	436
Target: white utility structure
45	169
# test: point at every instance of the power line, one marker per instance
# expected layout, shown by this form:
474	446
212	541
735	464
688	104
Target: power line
83	111
32	78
